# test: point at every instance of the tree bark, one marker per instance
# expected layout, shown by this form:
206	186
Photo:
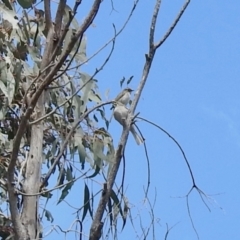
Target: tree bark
29	215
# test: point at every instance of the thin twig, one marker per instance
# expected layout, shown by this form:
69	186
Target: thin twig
50	190
109	41
179	146
58	107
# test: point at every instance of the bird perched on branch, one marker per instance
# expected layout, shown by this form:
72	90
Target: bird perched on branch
120	114
124	96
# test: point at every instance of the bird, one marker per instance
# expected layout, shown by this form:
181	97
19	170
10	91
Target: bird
124	96
120	114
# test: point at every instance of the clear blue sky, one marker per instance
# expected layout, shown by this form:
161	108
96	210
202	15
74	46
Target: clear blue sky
193	93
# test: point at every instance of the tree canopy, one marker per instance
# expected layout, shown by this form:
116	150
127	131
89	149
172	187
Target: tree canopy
54	120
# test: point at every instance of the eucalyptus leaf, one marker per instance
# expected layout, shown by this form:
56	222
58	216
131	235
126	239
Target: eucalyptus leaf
96	172
86	204
9	15
116	201
10	86
49	216
65	192
129	80
8	4
69	175
98	148
122	81
3	88
88	85
26	3
68	10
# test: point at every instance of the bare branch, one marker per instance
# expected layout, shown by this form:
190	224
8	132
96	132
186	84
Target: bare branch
66	28
48	17
190	216
153	24
168	230
112	39
147	157
52	189
176	142
50	77
58	19
194	186
157	45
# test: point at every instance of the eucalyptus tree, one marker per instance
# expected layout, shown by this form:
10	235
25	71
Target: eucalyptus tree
49	111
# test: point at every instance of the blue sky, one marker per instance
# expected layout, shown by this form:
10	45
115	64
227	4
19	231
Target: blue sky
193	93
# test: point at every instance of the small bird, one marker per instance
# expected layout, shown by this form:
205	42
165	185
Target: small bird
124	96
120	114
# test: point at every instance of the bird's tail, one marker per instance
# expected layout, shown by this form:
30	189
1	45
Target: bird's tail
136	136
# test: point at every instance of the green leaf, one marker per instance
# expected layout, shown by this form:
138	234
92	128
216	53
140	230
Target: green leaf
17	72
89	84
3	138
115	212
81	55
9	15
94	97
49	216
10	86
78	143
69	175
47	195
3	88
125	211
110	211
61	177
66	17
97	170
122	81
98	149
117	203
95	118
3	113
26	3
81	154
111	151
129	80
8	4
65	192
86	201
114	198
102	113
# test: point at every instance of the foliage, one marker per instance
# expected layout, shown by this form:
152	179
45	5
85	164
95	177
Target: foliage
22	41
42	86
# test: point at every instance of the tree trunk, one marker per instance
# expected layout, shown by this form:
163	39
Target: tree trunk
29	216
